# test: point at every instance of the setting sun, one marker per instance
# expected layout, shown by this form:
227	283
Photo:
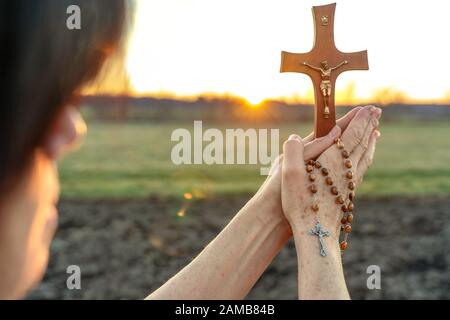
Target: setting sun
254	99
190	47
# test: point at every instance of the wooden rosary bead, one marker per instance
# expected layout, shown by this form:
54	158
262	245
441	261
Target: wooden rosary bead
349	174
347	219
350	218
351	196
334	191
351	185
348	228
313	188
351	206
348	163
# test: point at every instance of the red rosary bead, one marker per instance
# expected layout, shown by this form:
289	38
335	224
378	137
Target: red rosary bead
334	191
348	228
351	196
348	163
339	200
350	206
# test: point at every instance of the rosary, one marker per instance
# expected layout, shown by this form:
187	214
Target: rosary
346	204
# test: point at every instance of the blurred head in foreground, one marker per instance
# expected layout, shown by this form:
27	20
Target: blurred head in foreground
43	66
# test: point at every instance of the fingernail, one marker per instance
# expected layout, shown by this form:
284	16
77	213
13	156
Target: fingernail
334	133
375	111
378	111
294	137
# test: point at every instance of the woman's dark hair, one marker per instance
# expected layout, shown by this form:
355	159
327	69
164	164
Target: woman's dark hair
43	63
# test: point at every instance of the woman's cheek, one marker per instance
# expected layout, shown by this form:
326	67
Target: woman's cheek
45	220
28	226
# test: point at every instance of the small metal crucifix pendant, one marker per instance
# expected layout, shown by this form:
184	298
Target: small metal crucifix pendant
318	231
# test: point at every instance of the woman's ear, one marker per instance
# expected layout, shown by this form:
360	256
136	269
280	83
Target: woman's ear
66	133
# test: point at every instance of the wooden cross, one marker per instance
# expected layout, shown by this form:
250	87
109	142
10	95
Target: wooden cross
323	64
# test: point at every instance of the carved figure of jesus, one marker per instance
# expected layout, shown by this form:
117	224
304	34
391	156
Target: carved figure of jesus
325	86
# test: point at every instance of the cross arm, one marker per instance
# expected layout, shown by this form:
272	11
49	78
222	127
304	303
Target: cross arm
293	62
324	53
356	61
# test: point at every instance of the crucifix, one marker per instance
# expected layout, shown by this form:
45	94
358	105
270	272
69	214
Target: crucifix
323	64
318	231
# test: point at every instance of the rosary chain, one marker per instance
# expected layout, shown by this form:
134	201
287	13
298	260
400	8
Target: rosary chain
347	205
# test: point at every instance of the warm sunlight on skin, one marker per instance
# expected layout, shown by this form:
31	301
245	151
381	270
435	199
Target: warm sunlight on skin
188	47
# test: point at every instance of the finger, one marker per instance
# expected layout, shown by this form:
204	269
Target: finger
315	148
363	144
276	165
293	164
360	128
345	120
309	138
367	158
341	122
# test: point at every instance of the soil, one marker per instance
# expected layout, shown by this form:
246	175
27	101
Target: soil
128	248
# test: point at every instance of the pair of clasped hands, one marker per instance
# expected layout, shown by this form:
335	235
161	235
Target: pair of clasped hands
230	265
358	131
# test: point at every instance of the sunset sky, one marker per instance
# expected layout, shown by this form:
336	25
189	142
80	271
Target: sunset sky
189	47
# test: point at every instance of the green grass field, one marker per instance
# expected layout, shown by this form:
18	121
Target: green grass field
133	161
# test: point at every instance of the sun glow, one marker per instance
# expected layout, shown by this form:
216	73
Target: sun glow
254	99
189	47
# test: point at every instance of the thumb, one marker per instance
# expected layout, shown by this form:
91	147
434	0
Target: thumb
293	160
316	147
